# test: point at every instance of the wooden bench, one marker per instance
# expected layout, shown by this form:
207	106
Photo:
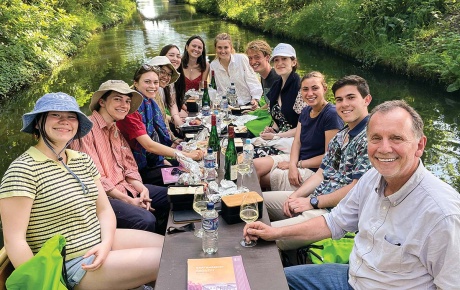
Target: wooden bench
5	268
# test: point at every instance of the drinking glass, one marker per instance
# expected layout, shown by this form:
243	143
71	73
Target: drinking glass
200	201
249	212
243	167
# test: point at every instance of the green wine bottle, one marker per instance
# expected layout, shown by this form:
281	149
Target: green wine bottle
206	98
231	156
213	81
213	141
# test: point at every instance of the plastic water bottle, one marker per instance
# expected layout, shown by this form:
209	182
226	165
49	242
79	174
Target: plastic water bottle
218	121
210	165
248	153
210	227
224	108
206	109
231	95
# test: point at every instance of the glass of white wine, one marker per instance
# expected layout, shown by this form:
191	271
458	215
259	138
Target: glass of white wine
249	212
200	201
243	167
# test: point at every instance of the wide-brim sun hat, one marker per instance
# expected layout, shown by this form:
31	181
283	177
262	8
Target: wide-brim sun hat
164	61
59	102
283	49
120	87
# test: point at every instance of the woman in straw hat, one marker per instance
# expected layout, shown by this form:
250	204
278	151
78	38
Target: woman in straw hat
51	190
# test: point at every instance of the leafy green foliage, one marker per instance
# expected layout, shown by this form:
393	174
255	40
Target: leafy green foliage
37	35
414	37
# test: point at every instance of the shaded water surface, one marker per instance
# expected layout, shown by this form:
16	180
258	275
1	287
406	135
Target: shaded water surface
117	52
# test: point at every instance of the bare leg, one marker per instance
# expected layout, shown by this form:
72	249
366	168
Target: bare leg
263	167
133	261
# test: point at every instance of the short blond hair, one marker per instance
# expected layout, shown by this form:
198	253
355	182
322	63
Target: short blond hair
259	45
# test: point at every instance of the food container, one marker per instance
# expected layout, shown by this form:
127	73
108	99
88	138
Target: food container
230	211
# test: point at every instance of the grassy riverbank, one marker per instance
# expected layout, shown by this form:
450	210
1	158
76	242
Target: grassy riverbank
35	36
417	38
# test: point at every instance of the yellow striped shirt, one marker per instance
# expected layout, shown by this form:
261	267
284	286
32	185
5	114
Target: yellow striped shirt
60	206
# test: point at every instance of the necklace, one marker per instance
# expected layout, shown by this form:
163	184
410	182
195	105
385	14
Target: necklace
314	114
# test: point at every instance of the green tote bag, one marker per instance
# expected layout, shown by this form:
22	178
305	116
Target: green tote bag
43	271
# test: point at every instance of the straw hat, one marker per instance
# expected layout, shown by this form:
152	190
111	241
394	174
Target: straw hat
164	61
118	86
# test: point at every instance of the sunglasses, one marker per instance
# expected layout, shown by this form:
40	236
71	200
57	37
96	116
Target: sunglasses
146	68
176	171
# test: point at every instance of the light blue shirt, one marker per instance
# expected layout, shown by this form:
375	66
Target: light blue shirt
408	240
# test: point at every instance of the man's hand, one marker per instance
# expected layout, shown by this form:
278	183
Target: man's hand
299	205
145	198
256	230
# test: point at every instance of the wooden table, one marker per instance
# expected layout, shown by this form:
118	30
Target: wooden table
262	262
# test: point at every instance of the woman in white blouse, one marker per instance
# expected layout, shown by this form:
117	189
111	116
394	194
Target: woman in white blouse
230	67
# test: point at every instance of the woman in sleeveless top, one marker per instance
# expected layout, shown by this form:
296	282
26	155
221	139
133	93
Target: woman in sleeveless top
194	64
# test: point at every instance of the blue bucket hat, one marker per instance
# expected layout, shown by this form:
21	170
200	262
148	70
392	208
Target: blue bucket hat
60	102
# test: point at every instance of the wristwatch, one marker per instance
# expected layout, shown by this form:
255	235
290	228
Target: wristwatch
314	202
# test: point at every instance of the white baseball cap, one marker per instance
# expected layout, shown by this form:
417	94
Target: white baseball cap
283	49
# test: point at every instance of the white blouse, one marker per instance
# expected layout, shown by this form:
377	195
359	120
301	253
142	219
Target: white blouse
240	73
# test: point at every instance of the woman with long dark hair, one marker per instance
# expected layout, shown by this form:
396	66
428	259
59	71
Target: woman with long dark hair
196	68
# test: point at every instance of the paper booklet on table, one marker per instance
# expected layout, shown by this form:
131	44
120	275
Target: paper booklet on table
217	273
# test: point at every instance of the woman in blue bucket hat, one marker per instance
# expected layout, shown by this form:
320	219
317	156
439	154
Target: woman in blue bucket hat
51	190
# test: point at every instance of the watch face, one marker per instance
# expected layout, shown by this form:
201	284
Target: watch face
314	202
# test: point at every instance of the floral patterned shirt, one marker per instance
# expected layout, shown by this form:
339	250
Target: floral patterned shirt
343	163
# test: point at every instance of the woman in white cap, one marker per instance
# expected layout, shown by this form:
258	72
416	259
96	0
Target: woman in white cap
230	67
283	94
51	190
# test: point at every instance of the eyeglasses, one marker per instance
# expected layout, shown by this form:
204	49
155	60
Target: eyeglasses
165	73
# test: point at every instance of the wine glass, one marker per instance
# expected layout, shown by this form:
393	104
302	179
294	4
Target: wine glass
243	167
249	212
200	201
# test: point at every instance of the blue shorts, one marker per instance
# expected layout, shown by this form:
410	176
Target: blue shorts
74	271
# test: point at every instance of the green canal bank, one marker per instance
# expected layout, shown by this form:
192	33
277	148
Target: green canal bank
418	38
37	35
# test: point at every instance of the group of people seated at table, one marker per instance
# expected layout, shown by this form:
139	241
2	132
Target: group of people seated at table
97	180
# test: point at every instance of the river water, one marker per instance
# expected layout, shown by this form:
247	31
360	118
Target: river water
117	52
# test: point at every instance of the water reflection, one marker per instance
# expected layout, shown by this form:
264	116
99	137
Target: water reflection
117	53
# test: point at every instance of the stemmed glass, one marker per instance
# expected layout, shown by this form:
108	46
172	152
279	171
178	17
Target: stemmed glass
200	201
249	212
243	167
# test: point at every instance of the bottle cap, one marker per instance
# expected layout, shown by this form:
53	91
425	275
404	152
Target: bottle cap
209	150
213	120
248	141
210	206
231	131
